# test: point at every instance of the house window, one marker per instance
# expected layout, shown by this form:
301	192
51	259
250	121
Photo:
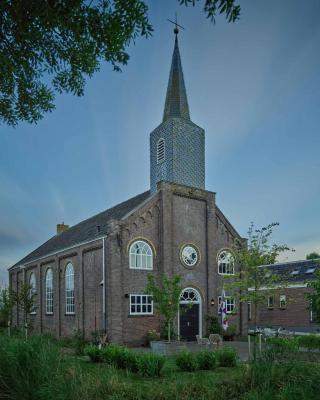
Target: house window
229	304
49	291
141	304
33	291
283	301
161	151
69	286
225	263
140	255
312	313
249	311
270	302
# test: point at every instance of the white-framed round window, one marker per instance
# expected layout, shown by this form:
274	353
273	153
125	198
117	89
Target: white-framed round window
189	255
140	255
225	263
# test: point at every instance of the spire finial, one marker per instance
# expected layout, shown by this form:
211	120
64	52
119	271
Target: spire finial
176	25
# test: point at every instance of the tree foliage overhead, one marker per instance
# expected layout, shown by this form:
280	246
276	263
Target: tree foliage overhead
313	256
51	46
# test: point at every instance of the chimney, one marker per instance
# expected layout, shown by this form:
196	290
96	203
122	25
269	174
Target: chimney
61	228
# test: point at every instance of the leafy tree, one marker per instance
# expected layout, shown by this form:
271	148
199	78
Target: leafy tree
51	46
312	256
26	301
249	256
314	298
166	298
8	300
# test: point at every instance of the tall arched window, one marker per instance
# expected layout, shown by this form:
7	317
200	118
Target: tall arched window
49	291
69	293
161	150
225	263
33	291
140	255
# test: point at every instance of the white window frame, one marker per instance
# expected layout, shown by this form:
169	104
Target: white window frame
136	304
270	303
141	255
230	304
33	291
283	298
69	289
49	291
228	265
161	152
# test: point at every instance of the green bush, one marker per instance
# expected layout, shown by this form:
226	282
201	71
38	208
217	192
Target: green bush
116	355
149	364
93	352
230	332
227	357
310	342
206	360
187	361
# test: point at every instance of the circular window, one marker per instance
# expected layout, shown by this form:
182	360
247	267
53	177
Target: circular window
189	255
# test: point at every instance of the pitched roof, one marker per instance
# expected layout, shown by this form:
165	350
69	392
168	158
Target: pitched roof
89	229
295	271
176	104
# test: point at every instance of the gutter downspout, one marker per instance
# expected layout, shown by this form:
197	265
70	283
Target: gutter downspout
104	320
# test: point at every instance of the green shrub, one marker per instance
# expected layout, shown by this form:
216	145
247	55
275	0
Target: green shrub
186	361
227	357
310	342
149	364
213	325
93	352
115	354
230	332
206	360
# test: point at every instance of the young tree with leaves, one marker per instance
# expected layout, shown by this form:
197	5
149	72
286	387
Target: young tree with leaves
314	297
166	298
8	300
253	283
26	301
51	46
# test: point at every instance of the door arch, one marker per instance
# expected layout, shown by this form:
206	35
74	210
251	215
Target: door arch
190	314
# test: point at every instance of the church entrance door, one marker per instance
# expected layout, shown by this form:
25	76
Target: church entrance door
189	314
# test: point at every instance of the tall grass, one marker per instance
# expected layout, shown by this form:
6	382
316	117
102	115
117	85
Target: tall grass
32	370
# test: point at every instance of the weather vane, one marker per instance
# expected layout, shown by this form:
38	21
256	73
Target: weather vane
176	25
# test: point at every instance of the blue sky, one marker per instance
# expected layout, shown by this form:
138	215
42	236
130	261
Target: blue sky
254	86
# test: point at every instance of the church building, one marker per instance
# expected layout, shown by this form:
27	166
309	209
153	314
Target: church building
92	276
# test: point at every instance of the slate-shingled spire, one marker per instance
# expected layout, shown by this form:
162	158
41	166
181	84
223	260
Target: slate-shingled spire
176	104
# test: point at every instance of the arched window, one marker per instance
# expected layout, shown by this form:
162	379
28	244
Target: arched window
49	291
33	291
140	255
161	150
69	281
225	263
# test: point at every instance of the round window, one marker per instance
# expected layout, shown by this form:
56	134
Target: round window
189	255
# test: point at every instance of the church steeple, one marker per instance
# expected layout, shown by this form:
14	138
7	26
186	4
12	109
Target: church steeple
176	104
177	144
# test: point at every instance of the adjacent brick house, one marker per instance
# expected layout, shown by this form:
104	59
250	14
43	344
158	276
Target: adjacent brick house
288	307
92	276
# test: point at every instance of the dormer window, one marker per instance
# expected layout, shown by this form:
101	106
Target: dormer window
161	150
295	272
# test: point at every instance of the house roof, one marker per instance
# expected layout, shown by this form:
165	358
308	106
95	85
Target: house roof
295	271
89	229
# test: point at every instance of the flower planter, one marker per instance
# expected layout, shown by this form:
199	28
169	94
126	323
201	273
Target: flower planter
166	348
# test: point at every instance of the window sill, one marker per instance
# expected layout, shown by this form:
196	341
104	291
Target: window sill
140	315
141	269
222	274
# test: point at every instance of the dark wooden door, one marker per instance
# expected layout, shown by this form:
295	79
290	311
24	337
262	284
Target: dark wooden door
189	321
